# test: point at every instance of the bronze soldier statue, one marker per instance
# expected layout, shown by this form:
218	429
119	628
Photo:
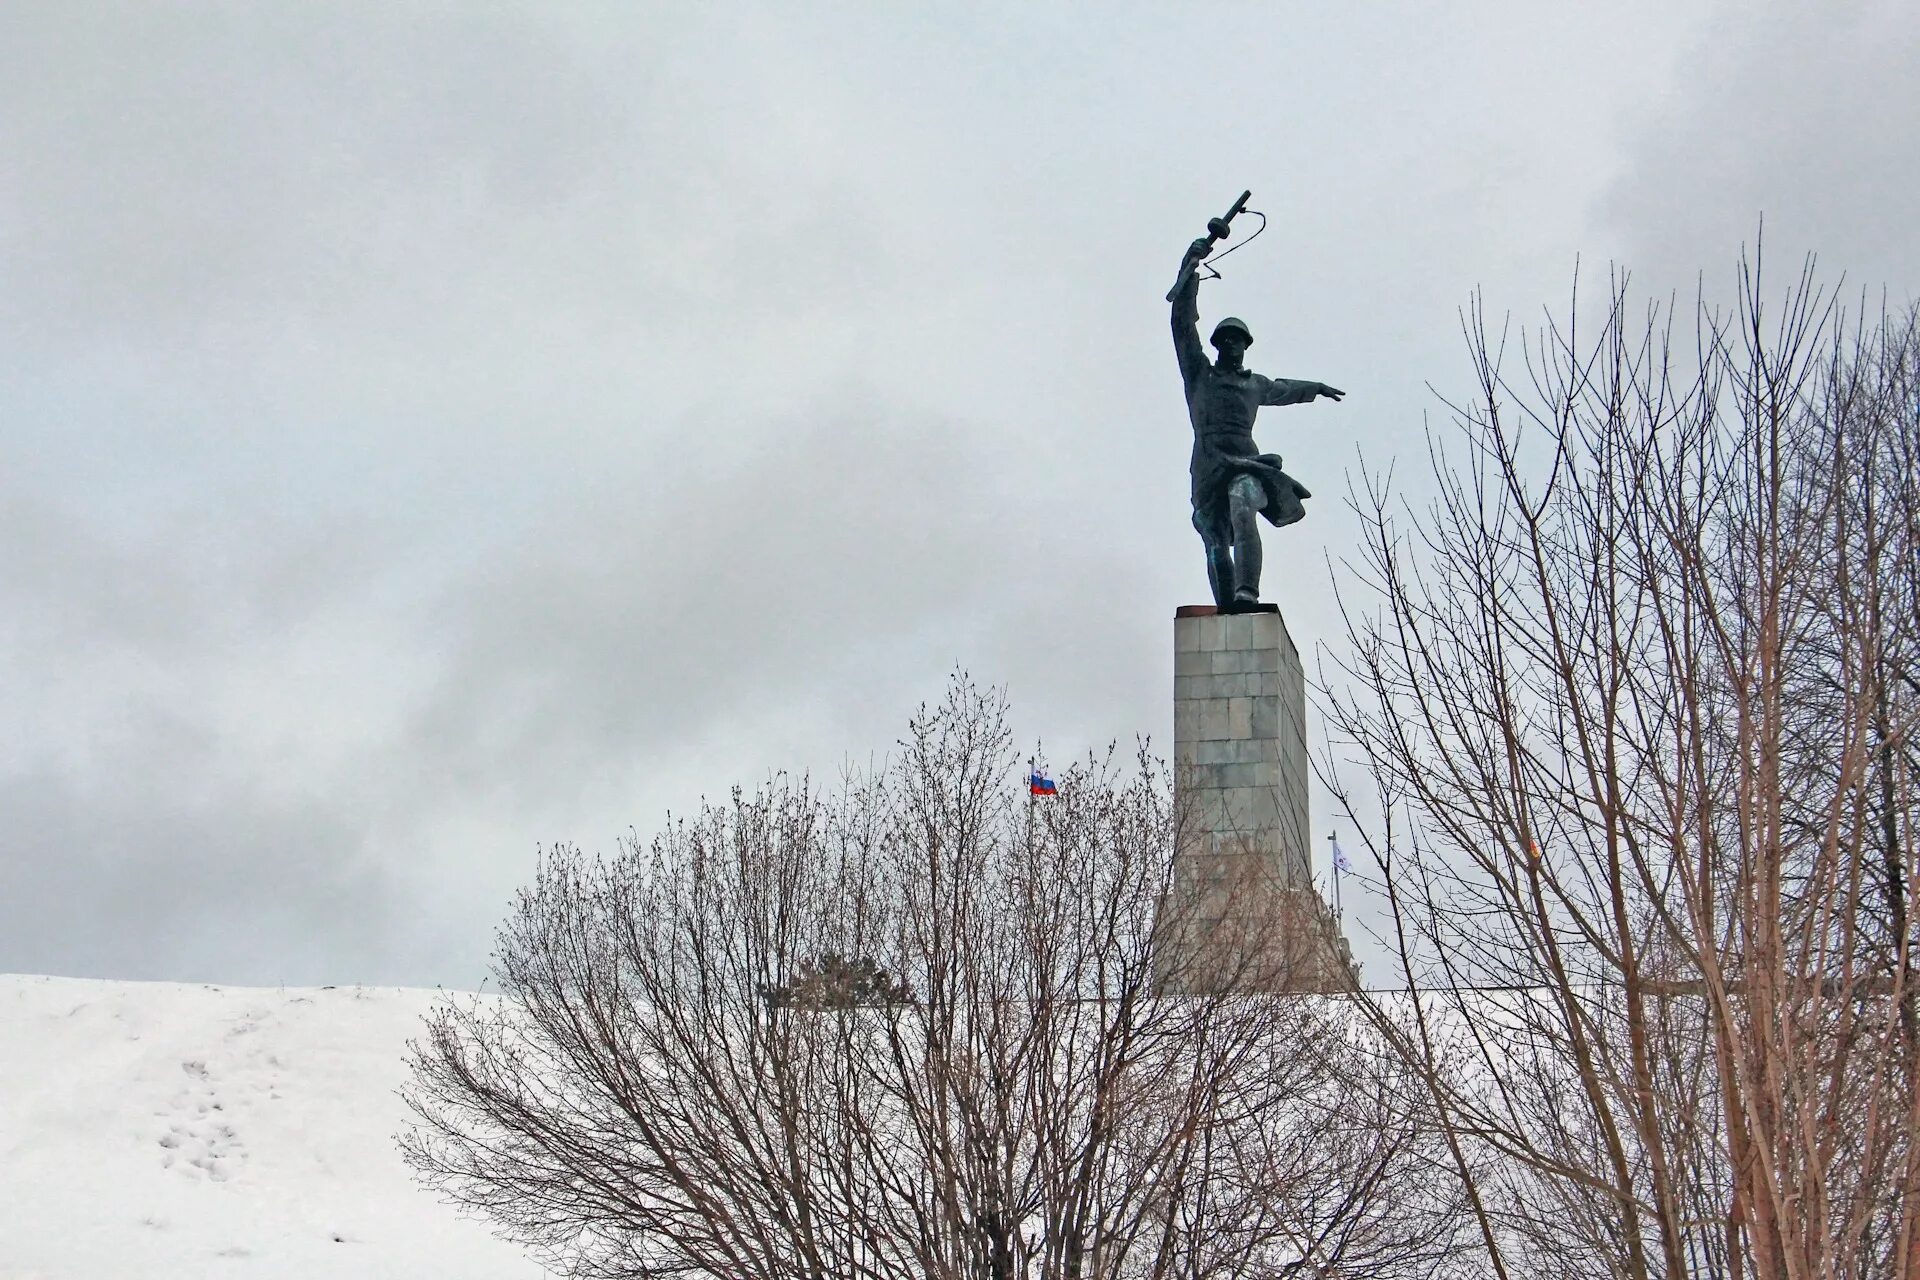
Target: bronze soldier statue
1233	482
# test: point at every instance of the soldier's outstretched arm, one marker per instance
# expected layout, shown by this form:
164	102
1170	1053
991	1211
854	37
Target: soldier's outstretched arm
1186	314
1296	391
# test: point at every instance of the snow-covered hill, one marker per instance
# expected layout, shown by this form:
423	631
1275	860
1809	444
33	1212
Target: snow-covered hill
174	1132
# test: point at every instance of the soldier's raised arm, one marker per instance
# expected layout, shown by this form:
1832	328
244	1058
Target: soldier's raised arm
1186	312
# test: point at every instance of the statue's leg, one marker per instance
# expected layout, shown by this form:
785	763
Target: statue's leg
1220	575
1245	498
1217	536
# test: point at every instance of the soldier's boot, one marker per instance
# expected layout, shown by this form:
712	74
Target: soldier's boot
1246	572
1245	500
1220	576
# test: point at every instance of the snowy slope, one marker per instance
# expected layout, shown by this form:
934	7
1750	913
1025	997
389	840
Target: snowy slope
173	1132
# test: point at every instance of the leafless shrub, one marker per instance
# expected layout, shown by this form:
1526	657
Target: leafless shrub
1637	710
912	1030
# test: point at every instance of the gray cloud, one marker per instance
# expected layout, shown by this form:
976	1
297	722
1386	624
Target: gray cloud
1801	114
154	861
430	432
637	616
362	165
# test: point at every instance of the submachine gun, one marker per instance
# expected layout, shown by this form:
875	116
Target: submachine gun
1217	229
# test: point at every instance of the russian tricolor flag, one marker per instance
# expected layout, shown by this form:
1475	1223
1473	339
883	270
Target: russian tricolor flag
1039	784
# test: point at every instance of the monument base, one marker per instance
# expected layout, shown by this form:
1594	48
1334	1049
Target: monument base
1215	937
1242	912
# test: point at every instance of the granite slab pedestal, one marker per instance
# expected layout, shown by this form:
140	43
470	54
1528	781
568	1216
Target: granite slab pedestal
1242	910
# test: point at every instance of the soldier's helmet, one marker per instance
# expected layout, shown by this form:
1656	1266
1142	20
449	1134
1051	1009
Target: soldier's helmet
1234	323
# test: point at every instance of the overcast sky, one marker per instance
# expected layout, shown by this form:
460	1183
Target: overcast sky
428	432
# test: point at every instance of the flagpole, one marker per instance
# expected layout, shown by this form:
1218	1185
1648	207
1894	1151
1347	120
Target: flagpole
1333	856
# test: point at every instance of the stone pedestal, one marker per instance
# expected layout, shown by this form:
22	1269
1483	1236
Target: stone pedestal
1242	909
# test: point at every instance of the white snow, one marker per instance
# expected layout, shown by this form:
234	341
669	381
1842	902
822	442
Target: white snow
181	1132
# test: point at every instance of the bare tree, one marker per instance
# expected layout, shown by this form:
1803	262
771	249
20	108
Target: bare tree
911	1030
1637	711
